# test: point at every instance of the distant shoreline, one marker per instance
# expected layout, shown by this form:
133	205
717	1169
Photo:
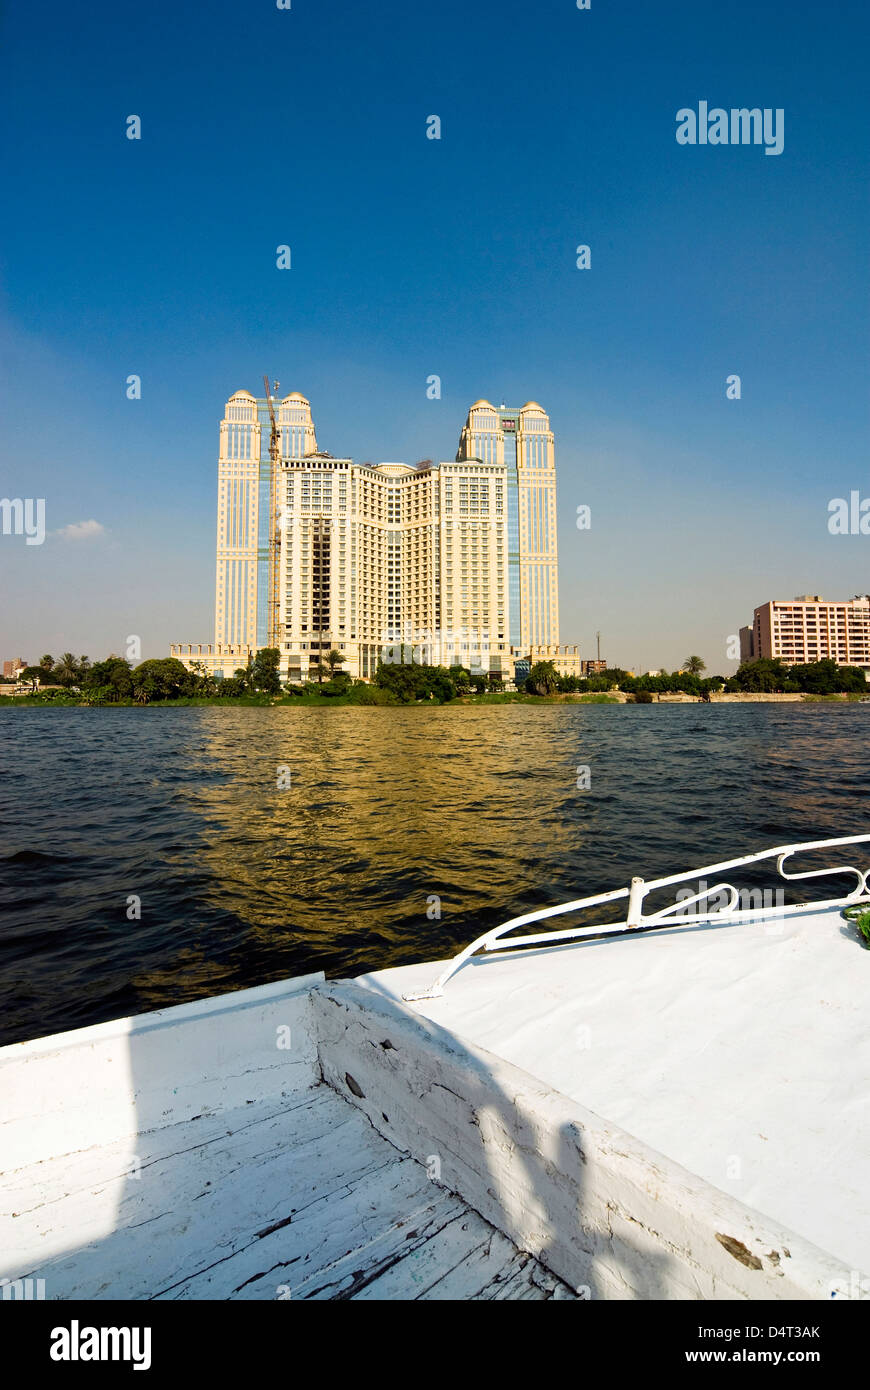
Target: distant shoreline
309	701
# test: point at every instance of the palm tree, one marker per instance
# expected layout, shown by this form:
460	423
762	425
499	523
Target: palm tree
333	659
694	665
67	670
46	662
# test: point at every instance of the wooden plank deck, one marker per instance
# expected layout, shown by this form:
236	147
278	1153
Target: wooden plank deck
299	1198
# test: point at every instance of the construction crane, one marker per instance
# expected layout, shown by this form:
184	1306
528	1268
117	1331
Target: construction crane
273	604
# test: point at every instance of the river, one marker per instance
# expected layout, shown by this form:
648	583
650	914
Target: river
149	856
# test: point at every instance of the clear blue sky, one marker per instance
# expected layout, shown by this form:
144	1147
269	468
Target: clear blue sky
455	257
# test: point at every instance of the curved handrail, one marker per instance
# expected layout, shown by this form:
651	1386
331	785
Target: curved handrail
636	920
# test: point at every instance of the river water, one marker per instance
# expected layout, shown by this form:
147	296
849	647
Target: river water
391	817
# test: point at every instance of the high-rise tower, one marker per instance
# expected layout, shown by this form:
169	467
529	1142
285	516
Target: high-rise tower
523	441
372	559
244	477
453	562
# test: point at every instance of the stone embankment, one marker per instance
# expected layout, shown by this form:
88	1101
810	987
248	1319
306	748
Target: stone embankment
741	698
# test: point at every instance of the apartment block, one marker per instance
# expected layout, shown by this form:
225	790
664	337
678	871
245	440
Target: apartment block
809	628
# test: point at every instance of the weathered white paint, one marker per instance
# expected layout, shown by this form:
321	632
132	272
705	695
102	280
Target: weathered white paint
597	1157
594	1204
291	1196
96	1085
740	1052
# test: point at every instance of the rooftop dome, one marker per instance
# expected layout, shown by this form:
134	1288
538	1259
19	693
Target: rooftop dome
295	396
488	404
533	405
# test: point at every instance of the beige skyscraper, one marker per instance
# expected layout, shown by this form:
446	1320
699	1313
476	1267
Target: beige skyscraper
453	563
523	441
387	560
243	506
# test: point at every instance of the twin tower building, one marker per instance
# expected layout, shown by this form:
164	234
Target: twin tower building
447	564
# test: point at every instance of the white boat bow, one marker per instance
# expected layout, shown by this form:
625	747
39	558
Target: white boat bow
673	1106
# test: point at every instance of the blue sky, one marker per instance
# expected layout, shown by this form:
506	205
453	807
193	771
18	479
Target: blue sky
410	257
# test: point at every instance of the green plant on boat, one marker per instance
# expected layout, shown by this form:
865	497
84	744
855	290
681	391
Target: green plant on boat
861	917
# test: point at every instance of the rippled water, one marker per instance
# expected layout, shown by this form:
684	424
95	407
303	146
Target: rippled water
241	883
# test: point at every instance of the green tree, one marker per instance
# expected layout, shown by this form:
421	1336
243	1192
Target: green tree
542	679
144	689
67	669
245	674
441	685
405	680
46	662
333	659
264	671
112	678
827	678
852	678
233	686
206	684
410	681
765	675
363	694
163	678
339	684
694	665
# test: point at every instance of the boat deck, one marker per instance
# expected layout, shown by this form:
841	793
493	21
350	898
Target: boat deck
740	1051
295	1198
677	1113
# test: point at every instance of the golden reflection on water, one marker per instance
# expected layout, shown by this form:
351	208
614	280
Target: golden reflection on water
387	809
480	808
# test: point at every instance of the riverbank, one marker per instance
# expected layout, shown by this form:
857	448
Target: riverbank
511	697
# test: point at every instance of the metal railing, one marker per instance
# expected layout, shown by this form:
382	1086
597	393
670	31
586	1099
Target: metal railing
674	914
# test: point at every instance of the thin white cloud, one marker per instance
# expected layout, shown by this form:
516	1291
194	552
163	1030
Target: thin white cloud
82	530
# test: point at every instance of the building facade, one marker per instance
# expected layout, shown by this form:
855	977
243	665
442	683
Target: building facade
809	628
521	440
565	660
448	564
